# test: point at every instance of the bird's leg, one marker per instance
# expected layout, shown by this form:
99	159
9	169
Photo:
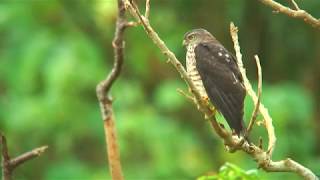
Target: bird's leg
213	111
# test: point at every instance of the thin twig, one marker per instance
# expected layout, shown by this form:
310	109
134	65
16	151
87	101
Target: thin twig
9	165
256	109
294	4
188	96
118	45
300	14
105	101
27	156
147	12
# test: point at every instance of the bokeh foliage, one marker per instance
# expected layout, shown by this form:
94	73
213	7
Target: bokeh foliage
232	172
54	52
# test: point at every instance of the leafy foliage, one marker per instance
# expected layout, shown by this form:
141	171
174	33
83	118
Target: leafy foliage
232	172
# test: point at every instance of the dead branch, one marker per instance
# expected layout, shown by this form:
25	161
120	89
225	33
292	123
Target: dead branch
256	108
233	143
6	170
263	110
9	165
297	13
103	89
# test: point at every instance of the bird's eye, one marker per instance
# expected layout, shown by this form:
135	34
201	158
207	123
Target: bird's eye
191	37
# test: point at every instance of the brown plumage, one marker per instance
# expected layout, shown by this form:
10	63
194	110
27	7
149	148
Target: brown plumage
216	75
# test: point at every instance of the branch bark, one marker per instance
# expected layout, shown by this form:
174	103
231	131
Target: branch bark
105	101
233	143
9	165
297	13
256	109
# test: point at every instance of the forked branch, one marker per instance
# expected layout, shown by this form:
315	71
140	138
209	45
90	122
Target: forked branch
9	165
256	108
105	100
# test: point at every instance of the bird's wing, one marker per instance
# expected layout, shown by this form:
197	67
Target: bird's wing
223	82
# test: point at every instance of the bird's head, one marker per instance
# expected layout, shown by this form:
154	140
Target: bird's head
196	36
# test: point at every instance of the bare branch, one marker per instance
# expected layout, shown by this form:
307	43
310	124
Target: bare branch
103	89
27	156
294	4
112	147
288	165
9	165
147	12
118	45
263	110
298	13
256	109
6	168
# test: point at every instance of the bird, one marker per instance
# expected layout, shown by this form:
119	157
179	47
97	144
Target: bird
216	75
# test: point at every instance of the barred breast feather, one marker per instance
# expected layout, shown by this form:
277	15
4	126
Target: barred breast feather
193	72
222	81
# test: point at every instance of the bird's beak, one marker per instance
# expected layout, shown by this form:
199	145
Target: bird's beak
184	42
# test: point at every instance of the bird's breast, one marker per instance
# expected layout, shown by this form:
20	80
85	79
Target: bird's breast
193	72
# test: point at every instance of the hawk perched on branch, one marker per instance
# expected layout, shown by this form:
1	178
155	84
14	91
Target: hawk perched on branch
216	75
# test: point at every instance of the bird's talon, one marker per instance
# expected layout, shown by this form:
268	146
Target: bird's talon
205	99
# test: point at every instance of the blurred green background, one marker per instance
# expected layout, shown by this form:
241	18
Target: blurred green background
54	52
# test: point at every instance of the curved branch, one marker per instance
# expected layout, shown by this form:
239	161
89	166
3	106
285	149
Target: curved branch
294	4
105	101
118	46
263	110
256	109
298	13
288	165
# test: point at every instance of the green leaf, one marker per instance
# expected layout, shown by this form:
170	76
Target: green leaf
231	171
